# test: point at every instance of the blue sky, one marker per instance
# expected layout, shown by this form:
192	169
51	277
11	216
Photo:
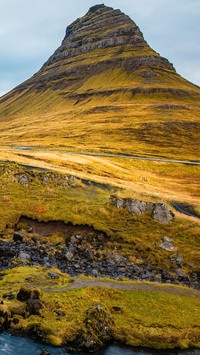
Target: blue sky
30	31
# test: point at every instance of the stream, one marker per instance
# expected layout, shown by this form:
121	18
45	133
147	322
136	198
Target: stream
11	345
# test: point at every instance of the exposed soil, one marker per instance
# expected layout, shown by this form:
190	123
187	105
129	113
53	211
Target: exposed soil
46	229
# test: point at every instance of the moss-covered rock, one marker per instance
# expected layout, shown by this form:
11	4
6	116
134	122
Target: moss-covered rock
98	324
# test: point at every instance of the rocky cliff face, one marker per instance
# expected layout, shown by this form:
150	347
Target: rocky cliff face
101	40
101	27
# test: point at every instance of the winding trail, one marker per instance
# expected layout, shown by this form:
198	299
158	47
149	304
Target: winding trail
108	155
125	156
149	287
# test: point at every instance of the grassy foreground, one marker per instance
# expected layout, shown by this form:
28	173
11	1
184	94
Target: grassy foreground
60	198
138	318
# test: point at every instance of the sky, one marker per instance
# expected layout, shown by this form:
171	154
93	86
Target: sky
30	31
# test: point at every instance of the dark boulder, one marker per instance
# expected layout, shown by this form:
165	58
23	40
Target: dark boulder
98	324
34	306
25	294
18	237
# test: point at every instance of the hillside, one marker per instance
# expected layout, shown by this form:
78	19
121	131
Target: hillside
104	90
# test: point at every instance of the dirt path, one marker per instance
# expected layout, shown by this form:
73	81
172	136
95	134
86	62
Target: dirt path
81	283
110	155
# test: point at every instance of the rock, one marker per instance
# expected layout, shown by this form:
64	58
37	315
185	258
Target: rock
90	252
22	179
181	274
167	246
45	352
53	275
15	321
95	273
167	240
176	258
9	296
145	276
157	278
98	329
132	206
116	308
34	306
74	240
18	237
59	313
120	203
162	214
25	294
69	255
24	256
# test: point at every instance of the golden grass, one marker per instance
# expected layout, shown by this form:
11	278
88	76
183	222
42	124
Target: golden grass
135	235
147	180
101	112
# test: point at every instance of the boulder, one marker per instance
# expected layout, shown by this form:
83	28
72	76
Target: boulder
34	306
26	293
167	244
24	256
162	214
98	324
18	237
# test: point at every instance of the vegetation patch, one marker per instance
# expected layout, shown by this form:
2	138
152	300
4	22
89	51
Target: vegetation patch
88	318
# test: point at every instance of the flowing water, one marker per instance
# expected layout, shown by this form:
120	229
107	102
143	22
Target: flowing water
22	346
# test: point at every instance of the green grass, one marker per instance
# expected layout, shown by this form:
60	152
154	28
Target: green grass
147	318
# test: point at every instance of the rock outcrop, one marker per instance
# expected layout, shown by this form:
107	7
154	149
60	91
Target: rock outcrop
98	329
159	211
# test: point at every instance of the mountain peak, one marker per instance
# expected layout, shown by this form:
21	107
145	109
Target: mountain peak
101	27
97	7
106	83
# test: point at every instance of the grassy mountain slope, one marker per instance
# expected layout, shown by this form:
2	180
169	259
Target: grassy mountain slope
104	89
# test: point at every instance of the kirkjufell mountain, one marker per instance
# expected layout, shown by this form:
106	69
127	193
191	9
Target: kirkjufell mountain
104	89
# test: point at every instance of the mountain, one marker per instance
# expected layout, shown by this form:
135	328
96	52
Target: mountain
104	89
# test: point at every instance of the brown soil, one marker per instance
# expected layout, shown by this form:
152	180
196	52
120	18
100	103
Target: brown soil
46	229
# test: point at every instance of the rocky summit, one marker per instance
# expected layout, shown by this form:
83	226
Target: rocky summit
102	40
105	83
